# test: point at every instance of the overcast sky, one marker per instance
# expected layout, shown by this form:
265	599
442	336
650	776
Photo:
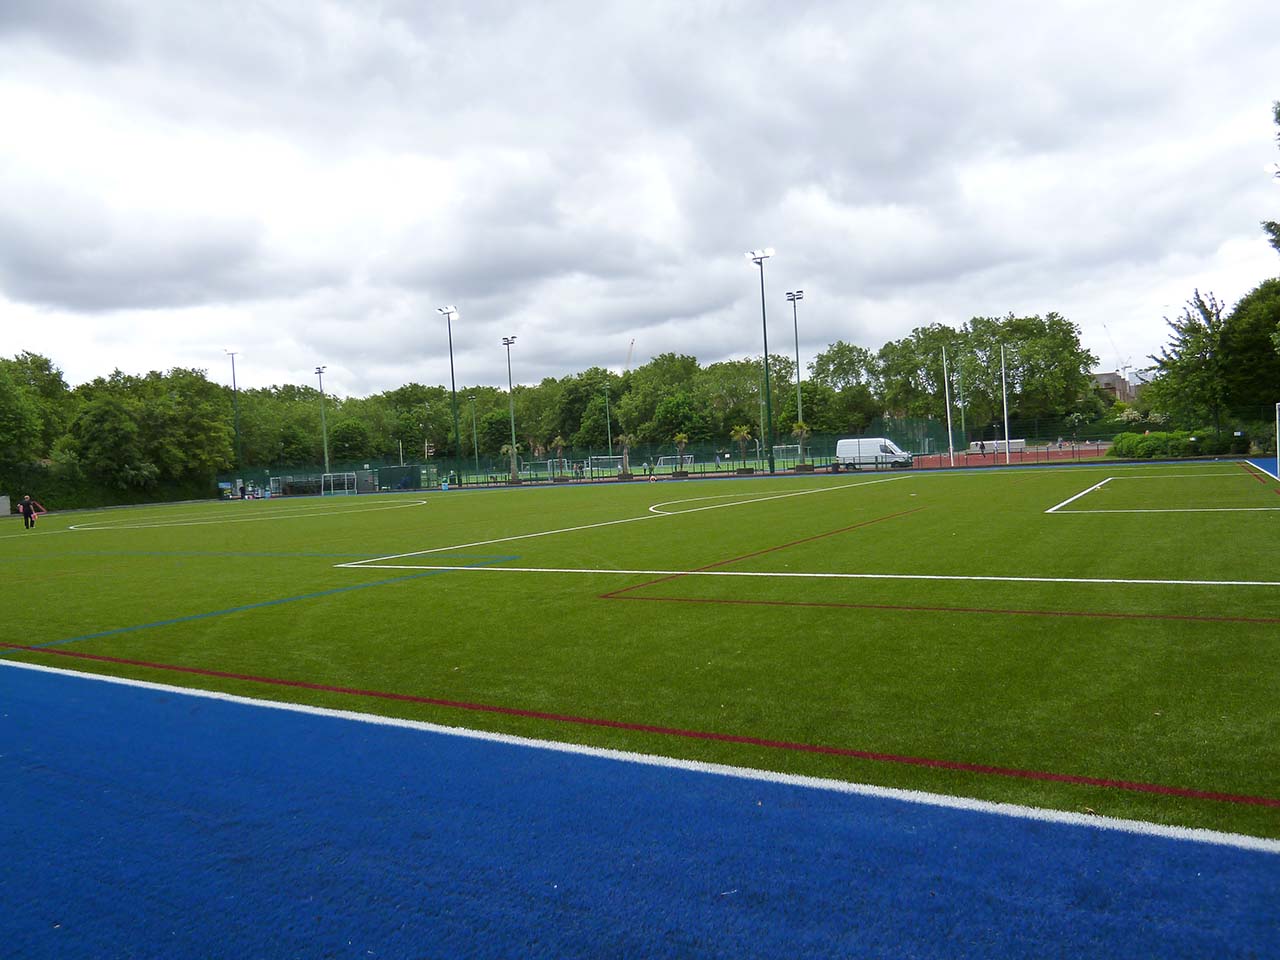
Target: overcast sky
307	181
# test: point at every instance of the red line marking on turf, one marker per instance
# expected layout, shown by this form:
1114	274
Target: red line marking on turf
985	610
958	766
1257	475
746	556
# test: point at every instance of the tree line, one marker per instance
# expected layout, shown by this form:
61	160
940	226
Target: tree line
166	430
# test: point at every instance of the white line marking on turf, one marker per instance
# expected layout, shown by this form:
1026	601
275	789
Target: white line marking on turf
1177	510
216	520
1015	811
378	561
1057	507
812	576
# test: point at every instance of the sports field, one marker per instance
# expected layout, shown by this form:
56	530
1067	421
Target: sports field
1099	638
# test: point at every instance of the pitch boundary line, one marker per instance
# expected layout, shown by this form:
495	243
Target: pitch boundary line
378	561
820	576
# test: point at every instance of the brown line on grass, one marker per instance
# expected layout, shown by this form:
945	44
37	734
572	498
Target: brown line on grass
1256	474
1097	614
870	755
746	556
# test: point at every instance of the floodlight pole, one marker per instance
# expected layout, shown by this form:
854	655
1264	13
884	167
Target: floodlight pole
324	430
795	323
758	257
1004	391
946	390
608	426
449	313
1278	441
475	437
511	399
235	407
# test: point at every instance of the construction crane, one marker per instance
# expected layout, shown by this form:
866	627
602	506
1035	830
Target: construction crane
1122	366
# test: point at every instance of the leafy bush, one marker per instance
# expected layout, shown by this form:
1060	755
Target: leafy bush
1176	444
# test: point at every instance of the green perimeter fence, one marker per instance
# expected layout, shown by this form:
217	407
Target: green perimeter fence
1033	441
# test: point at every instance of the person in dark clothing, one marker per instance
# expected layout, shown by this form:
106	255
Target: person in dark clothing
29	509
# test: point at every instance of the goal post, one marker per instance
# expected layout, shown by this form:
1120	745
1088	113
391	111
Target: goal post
788	451
604	464
338	484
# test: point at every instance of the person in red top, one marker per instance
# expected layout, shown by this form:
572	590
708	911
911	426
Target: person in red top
30	509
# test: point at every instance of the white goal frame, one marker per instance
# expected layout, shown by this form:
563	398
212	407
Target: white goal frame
339	484
786	451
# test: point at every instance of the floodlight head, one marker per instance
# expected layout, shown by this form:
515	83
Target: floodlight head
759	256
450	310
797	295
508	341
321	369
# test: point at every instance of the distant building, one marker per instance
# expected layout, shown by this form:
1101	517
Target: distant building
1116	385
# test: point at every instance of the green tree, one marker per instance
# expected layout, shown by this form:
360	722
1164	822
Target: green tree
43	383
1251	354
1189	383
801	432
843	365
741	435
725	394
349	439
681	441
140	431
911	370
495	430
109	443
20	421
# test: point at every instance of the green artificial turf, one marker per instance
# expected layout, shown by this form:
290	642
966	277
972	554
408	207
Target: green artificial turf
1007	663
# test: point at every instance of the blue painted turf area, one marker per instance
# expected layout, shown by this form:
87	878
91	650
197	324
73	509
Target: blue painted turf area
1266	464
147	823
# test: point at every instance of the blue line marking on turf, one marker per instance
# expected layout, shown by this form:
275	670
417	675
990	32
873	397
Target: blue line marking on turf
144	823
243	608
214	554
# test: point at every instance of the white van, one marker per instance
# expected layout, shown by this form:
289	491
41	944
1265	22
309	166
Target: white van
870	452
